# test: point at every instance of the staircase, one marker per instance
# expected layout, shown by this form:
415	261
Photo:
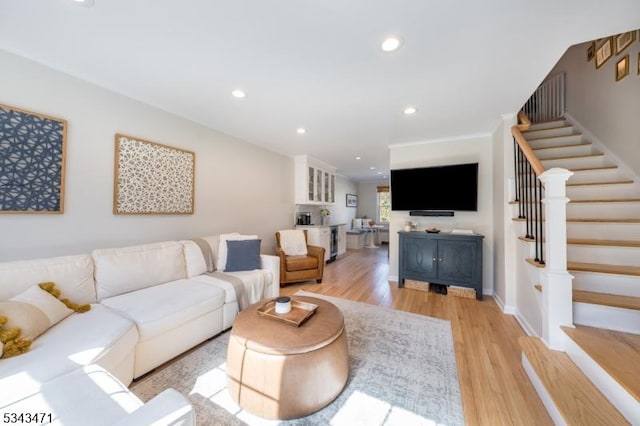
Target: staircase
597	379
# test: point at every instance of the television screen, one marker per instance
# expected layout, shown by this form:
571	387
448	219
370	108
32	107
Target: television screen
452	187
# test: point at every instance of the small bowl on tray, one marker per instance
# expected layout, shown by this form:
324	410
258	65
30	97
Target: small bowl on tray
432	230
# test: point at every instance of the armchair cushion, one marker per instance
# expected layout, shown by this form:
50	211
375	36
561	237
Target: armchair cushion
301	263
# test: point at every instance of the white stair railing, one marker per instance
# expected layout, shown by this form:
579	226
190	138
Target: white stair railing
548	101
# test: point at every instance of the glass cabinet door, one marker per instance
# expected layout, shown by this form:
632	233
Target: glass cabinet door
332	189
311	184
318	193
326	187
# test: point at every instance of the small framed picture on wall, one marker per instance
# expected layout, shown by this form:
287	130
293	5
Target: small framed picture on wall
352	200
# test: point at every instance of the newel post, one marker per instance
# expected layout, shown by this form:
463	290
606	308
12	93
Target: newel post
557	301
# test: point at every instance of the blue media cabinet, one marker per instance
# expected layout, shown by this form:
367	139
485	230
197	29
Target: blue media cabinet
442	258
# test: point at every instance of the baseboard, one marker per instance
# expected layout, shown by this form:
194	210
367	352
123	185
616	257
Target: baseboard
524	324
510	310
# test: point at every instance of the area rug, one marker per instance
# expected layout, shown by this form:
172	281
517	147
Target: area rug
402	372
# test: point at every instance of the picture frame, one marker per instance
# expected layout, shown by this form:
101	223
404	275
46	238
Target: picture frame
591	51
33	149
624	40
604	52
622	68
638	62
152	178
352	200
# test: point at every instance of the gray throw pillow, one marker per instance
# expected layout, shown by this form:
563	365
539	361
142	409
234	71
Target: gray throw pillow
243	255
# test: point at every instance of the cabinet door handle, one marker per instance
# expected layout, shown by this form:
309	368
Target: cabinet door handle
434	259
440	260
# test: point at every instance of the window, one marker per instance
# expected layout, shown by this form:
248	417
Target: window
384	204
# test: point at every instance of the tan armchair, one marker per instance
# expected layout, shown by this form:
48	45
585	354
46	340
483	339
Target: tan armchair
298	268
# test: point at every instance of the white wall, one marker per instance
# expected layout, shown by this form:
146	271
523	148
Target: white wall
607	108
474	148
368	198
239	186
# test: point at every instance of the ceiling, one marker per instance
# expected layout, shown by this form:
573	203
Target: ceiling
316	64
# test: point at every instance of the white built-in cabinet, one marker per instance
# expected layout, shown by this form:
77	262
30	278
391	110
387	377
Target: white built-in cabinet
342	239
320	236
315	181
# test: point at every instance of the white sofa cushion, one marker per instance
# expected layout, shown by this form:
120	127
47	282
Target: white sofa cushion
97	336
195	262
91	395
73	275
161	308
126	269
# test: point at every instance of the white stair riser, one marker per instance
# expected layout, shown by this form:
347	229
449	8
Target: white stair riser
579	162
588	192
545	397
597	175
570	151
549	133
547	125
608	231
609	210
602	254
556	141
624	285
628	406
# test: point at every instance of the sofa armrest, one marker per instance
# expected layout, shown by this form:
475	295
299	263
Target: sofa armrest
272	263
169	407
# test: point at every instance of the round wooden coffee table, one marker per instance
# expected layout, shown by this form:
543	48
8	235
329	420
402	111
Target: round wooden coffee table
279	371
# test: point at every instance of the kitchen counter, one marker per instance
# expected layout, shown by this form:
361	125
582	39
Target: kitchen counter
320	226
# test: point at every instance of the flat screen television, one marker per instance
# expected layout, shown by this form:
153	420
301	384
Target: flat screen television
452	187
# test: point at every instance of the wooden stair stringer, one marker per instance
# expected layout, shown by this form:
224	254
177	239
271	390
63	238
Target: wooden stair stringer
575	399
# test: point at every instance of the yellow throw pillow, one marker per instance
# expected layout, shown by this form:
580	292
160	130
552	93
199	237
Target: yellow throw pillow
33	311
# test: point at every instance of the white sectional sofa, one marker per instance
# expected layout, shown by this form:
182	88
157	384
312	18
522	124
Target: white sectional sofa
149	303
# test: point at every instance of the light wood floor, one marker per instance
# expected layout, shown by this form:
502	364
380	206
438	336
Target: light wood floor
495	388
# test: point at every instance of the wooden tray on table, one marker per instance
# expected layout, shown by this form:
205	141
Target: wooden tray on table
299	313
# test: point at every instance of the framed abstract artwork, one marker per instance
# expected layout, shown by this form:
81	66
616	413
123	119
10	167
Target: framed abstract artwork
604	51
624	40
152	178
622	68
32	161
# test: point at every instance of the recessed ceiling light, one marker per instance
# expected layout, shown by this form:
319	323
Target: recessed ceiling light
87	3
391	44
301	130
410	110
239	93
379	173
357	158
372	168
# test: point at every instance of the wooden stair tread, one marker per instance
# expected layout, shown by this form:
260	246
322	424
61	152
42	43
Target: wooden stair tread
572	157
618	353
614	300
605	200
588	169
564	126
604	268
608	243
604	219
554	137
610	182
573	145
588	220
577	399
